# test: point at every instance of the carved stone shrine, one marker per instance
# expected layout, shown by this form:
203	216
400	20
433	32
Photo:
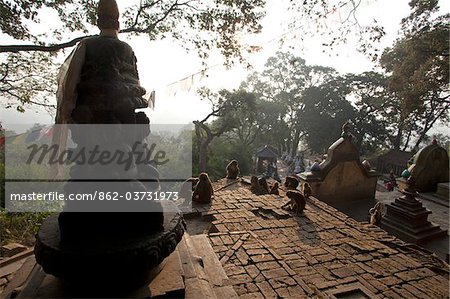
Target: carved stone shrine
341	177
407	219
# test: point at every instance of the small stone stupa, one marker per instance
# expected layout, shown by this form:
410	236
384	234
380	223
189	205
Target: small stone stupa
407	218
99	85
342	177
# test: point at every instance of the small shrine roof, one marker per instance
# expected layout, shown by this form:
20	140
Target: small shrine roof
267	152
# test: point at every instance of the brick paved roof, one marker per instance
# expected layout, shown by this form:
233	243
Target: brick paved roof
267	252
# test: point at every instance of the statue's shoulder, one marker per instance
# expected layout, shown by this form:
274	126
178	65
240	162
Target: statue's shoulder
101	46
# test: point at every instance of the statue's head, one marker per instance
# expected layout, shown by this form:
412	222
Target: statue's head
108	15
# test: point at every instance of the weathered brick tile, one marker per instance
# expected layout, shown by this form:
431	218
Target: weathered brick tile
257	251
274	273
252	271
240	289
283	292
267	265
256	295
418	293
242	256
296	292
261	258
310	259
367	285
391	281
397	266
234	270
325	284
408	262
333	265
369	269
285	250
259	278
364	257
324	258
415	274
343	272
392	295
404	293
374	282
240	279
313	279
305	271
431	283
347	280
303	285
227	240
252	245
298	263
266	289
387	267
251	288
324	271
280	282
379	268
216	241
287	268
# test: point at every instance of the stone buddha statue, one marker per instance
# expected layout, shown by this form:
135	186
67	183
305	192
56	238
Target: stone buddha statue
98	94
102	87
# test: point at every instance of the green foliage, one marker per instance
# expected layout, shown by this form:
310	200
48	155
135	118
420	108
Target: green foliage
283	82
199	26
20	227
2	177
28	78
16	16
419	66
222	151
230	110
325	110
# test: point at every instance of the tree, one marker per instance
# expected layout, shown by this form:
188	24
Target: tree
325	110
336	22
283	82
378	121
271	125
226	106
419	66
197	25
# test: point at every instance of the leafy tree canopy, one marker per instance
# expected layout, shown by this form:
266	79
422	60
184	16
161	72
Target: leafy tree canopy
197	25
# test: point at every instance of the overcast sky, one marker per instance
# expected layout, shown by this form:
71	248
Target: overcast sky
164	62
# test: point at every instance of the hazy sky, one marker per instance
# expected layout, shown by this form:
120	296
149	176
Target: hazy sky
164	62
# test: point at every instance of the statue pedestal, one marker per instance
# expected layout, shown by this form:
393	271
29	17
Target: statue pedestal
407	219
122	261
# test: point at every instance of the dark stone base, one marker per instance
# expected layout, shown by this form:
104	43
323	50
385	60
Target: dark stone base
407	219
117	262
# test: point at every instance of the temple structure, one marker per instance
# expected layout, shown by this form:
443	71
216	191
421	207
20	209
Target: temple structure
342	177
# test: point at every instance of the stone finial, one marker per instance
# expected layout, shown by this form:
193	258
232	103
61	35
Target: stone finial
345	130
108	15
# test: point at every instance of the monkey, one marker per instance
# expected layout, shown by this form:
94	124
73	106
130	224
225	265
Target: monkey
274	189
255	187
186	190
291	183
203	190
263	185
376	213
306	190
297	202
232	170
